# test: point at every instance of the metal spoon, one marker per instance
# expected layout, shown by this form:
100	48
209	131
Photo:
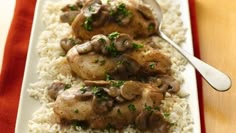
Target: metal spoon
217	79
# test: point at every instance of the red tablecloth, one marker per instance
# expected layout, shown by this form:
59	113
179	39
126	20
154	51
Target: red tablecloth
15	57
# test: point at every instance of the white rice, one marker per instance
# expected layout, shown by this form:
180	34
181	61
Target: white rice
53	67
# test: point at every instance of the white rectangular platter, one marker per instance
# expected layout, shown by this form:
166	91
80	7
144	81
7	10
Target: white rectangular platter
28	105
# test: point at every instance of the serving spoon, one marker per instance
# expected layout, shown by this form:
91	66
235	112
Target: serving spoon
217	79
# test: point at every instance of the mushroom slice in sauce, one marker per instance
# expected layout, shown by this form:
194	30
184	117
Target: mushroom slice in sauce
68	17
130	90
55	89
68	43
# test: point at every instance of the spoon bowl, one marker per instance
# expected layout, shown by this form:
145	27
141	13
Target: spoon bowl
217	79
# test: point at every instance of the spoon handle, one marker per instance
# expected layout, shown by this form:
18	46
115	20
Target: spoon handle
217	79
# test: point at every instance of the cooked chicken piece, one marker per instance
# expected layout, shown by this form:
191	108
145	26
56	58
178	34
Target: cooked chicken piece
99	110
90	66
150	60
143	61
131	17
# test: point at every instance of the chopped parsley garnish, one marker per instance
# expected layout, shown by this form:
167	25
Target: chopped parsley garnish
122	10
151	27
136	46
80	5
76	111
88	24
111	49
119	112
83	90
108	77
91	9
113	35
72	41
102	40
132	107
96	61
156	108
152	65
99	93
147	107
67	86
166	114
118	83
73	7
120	62
120	13
102	62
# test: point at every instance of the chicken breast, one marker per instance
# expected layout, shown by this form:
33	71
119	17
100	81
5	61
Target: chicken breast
93	66
96	107
124	16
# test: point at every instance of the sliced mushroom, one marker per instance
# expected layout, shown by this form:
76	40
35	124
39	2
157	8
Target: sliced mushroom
113	91
84	96
68	17
119	99
96	83
156	98
169	84
55	89
123	42
174	87
92	7
145	12
73	7
84	48
99	42
100	18
142	120
157	123
101	106
130	90
68	43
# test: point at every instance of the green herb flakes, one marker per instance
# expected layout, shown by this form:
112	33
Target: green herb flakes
88	24
73	7
113	35
136	46
83	90
67	86
151	27
76	111
119	112
152	65
166	114
147	107
118	83
108	77
132	107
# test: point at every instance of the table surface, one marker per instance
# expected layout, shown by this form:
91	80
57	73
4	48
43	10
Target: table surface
217	27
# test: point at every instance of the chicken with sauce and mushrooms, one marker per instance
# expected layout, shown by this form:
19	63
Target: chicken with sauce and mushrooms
125	80
97	105
97	16
117	55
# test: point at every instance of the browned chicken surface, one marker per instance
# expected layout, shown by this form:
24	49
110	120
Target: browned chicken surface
125	16
120	57
124	80
114	103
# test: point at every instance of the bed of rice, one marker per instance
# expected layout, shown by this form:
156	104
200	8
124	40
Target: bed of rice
53	66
